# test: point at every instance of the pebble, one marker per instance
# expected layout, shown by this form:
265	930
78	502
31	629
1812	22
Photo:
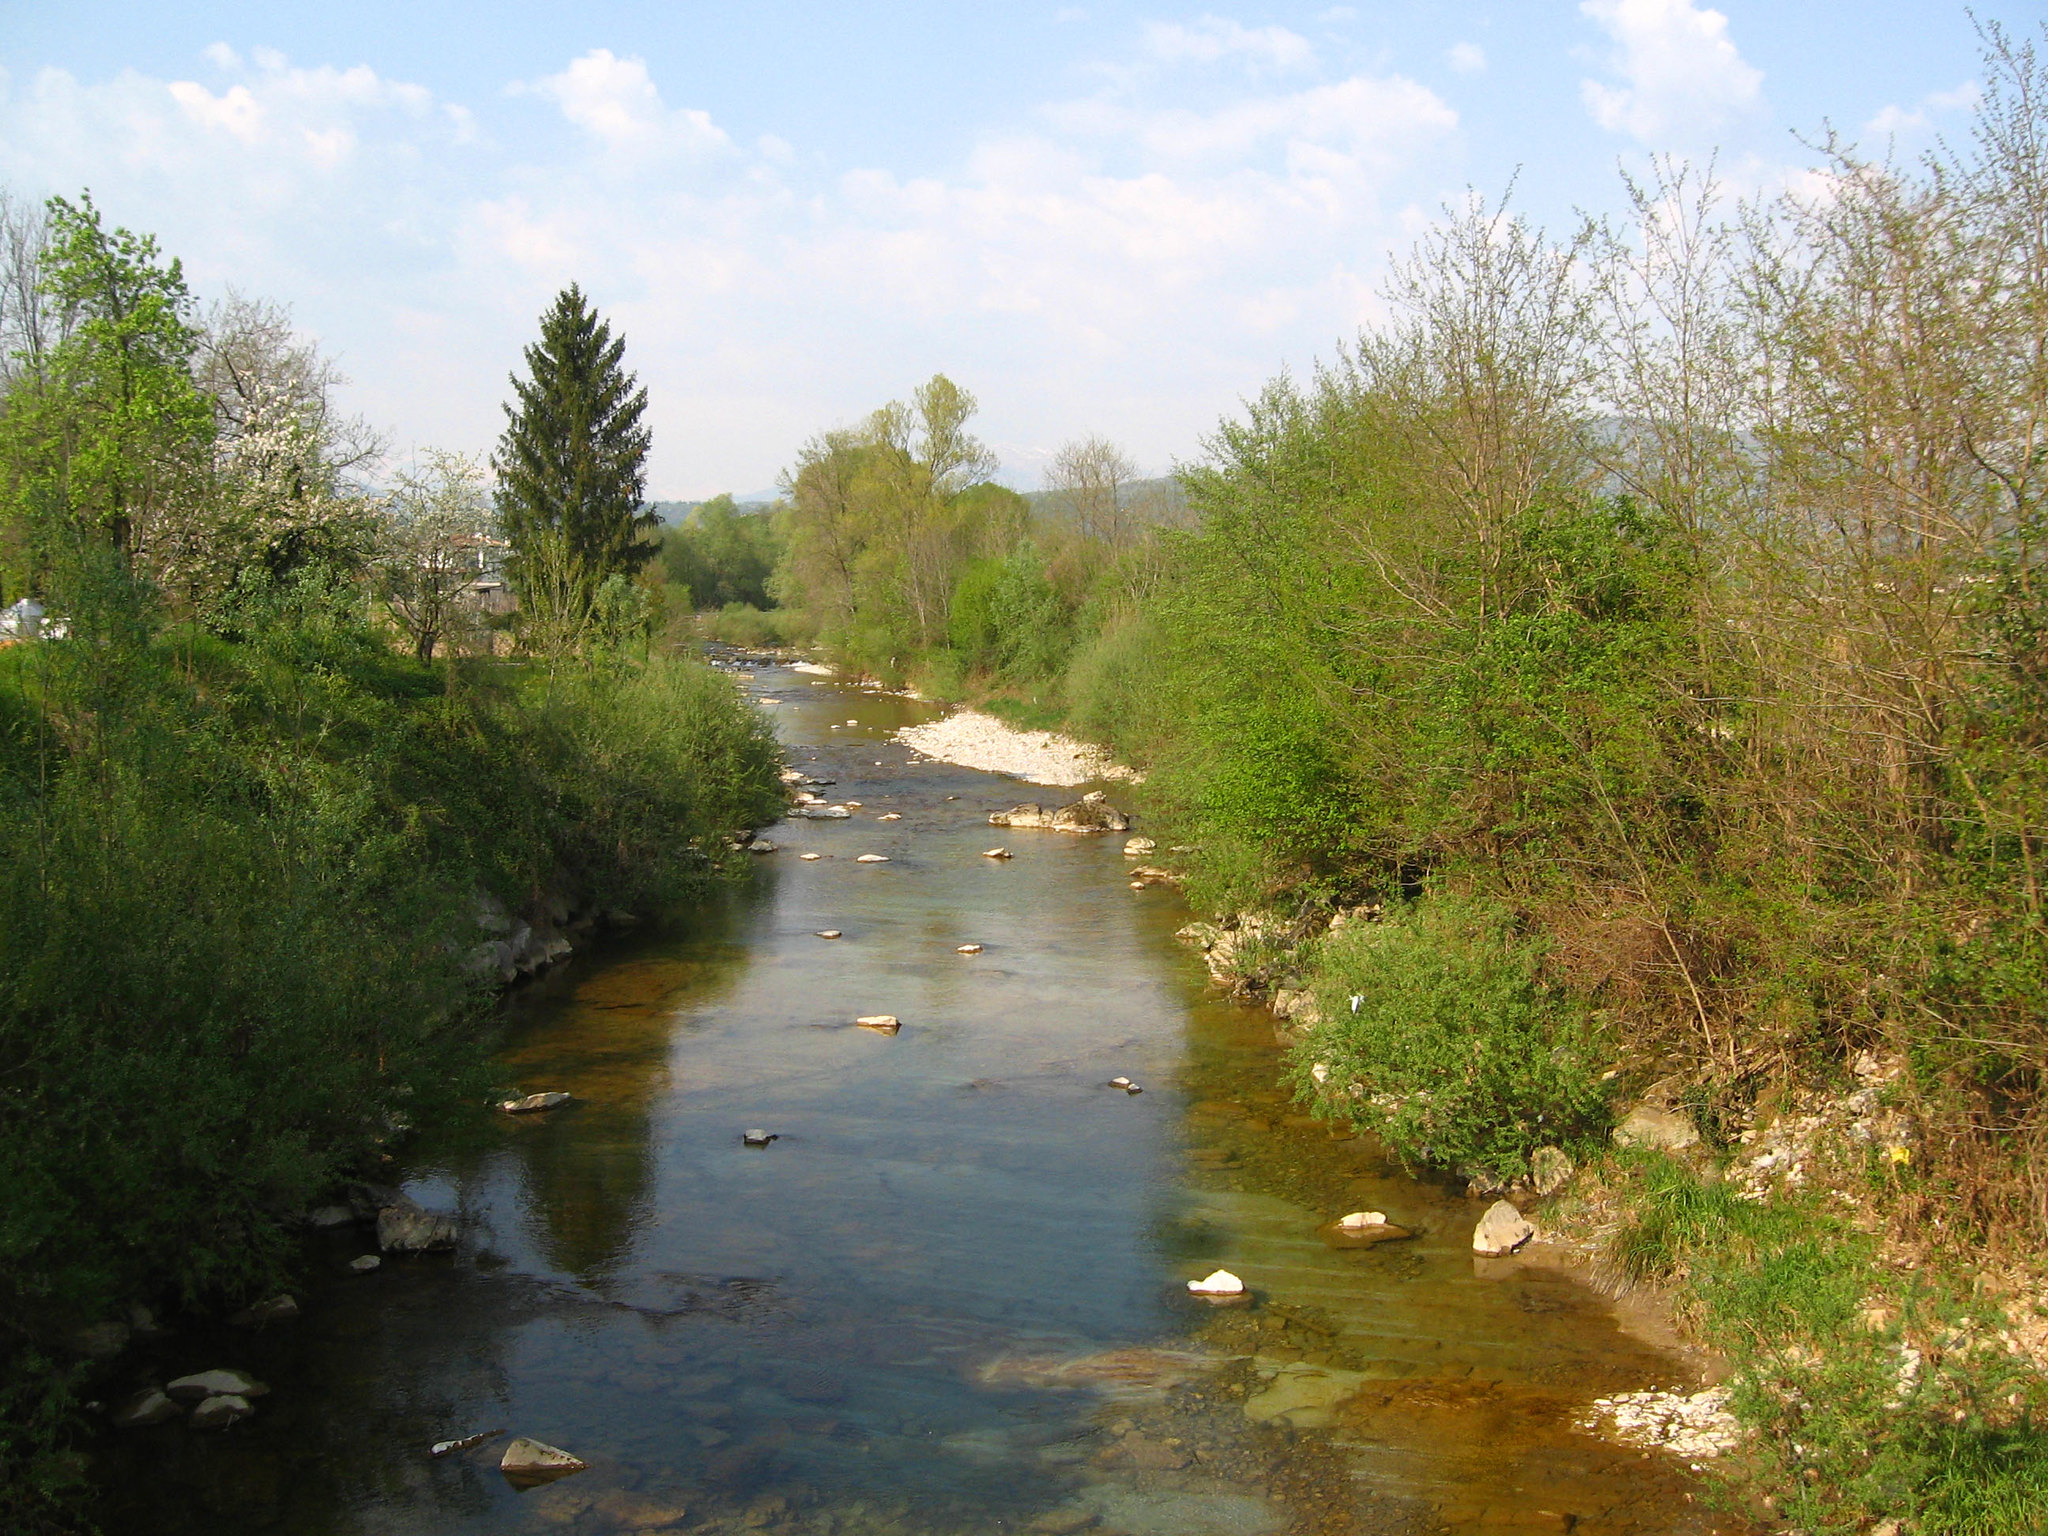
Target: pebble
996	853
872	858
807	857
890	816
880	1023
967	949
449	1447
365	1264
757	1138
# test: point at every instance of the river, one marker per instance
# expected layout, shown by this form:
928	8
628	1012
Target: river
950	1296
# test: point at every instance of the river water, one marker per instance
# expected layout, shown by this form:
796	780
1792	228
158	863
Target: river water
950	1297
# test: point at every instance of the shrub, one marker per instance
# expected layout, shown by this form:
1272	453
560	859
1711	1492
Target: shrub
1458	1054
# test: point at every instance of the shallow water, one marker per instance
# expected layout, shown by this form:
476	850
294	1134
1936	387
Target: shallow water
949	1297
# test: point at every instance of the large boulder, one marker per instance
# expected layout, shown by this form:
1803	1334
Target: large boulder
527	1463
1501	1230
402	1227
143	1409
219	1412
1550	1169
201	1385
1091	813
1657	1128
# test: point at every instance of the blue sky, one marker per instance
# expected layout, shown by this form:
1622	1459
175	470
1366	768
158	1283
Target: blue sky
1104	218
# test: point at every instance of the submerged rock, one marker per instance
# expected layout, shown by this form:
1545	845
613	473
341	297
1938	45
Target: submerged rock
1501	1230
809	857
1358	1221
529	1463
760	845
276	1309
402	1227
758	1138
996	853
365	1264
828	933
1218	1283
872	858
966	949
450	1447
880	1023
535	1102
215	1383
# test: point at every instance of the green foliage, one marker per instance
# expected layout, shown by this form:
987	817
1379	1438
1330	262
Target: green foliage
572	464
1457	1055
110	428
1007	618
722	555
1908	1417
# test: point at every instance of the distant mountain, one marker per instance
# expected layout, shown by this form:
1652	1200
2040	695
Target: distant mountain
674	514
1159	502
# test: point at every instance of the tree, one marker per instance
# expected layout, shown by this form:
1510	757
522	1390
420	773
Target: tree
433	539
107	429
1088	476
572	465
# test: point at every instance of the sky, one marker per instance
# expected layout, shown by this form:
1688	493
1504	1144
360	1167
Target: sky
1113	219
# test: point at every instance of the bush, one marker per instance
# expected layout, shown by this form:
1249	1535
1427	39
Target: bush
1458	1055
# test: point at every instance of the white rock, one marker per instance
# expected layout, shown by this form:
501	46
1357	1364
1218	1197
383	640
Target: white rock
1220	1283
365	1264
531	1461
808	857
966	949
828	933
1501	1230
760	845
1138	846
534	1102
853	722
1132	1088
890	816
145	1408
449	1447
1119	1082
1358	1221
219	1412
996	853
880	1023
872	858
216	1383
402	1227
756	1138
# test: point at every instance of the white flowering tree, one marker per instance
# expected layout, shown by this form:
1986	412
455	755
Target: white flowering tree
435	541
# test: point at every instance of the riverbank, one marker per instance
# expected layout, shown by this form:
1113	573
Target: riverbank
971	739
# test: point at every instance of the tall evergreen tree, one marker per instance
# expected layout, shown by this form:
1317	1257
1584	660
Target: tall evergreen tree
572	465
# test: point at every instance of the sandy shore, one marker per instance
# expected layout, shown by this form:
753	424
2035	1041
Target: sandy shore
975	740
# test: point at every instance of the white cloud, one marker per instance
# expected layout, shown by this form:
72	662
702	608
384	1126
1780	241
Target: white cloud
1215	38
1895	120
1680	71
1466	58
1130	263
615	100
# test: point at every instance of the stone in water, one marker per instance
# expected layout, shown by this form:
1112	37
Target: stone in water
967	949
1132	1088
145	1408
529	1463
219	1412
880	1023
807	857
891	816
450	1447
1119	1082
757	1138
1358	1221
534	1102
872	858
996	853
218	1383
1501	1230
1221	1283
365	1264
277	1309
828	933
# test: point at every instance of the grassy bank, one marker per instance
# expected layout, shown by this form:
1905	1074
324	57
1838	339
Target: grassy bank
239	896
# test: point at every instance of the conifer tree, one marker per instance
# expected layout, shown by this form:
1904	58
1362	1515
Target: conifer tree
572	465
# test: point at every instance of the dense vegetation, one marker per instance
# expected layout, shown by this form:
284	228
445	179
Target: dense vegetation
1659	612
247	825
